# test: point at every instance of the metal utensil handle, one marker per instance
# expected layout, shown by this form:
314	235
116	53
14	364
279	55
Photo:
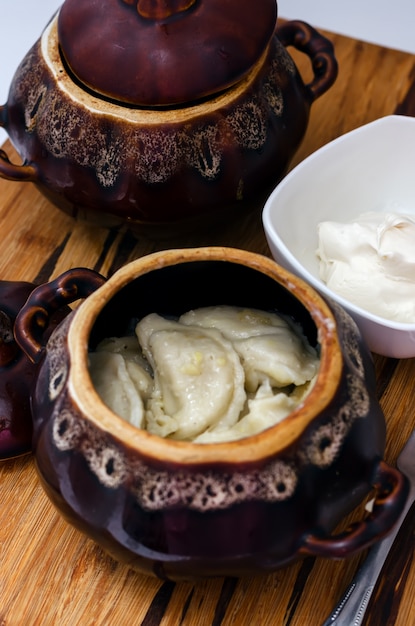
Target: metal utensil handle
351	609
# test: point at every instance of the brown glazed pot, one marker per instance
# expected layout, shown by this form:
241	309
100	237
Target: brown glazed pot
162	114
17	372
181	510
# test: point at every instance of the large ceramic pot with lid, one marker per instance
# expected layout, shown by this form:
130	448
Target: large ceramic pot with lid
181	508
153	113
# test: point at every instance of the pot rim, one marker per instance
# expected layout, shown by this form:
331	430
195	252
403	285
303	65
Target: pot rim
50	51
250	449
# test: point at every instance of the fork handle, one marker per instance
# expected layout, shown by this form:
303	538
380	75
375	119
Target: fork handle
352	607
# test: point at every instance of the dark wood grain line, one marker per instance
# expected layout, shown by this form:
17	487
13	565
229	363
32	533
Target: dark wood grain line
384	374
299	586
47	269
111	237
383	607
407	106
187	605
227	591
123	254
159	605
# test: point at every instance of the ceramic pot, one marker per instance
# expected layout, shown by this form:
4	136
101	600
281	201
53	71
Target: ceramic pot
179	509
17	372
162	119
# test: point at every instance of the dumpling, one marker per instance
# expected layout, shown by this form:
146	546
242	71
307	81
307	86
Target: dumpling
127	346
217	374
270	348
115	380
265	409
198	378
234	322
137	366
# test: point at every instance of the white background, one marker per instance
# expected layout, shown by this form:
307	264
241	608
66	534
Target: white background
391	23
387	22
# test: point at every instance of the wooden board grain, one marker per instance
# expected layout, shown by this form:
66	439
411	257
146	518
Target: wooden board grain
50	574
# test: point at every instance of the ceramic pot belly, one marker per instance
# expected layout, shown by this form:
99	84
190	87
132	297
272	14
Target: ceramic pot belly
180	509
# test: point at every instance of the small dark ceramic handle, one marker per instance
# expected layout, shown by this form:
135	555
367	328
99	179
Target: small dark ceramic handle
10	171
34	316
19	173
392	490
320	50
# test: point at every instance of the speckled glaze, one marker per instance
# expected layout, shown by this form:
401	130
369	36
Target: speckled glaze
162	169
183	510
17	372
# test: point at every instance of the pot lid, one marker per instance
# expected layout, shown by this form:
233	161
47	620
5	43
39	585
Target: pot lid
163	52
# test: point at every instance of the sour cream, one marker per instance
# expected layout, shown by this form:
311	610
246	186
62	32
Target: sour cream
371	263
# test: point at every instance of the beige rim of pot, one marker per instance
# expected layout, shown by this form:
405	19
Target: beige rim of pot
249	449
139	116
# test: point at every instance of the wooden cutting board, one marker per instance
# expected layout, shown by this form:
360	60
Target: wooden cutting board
50	574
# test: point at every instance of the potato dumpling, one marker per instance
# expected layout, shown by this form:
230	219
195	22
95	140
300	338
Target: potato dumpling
215	374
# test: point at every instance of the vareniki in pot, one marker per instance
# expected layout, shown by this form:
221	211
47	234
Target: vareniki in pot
179	509
161	113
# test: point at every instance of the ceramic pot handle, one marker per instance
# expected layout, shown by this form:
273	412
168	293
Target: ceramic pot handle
33	318
320	50
9	170
392	490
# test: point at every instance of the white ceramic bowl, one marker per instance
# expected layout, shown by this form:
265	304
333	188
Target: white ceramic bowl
371	168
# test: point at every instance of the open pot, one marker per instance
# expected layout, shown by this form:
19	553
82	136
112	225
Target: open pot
179	509
162	114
